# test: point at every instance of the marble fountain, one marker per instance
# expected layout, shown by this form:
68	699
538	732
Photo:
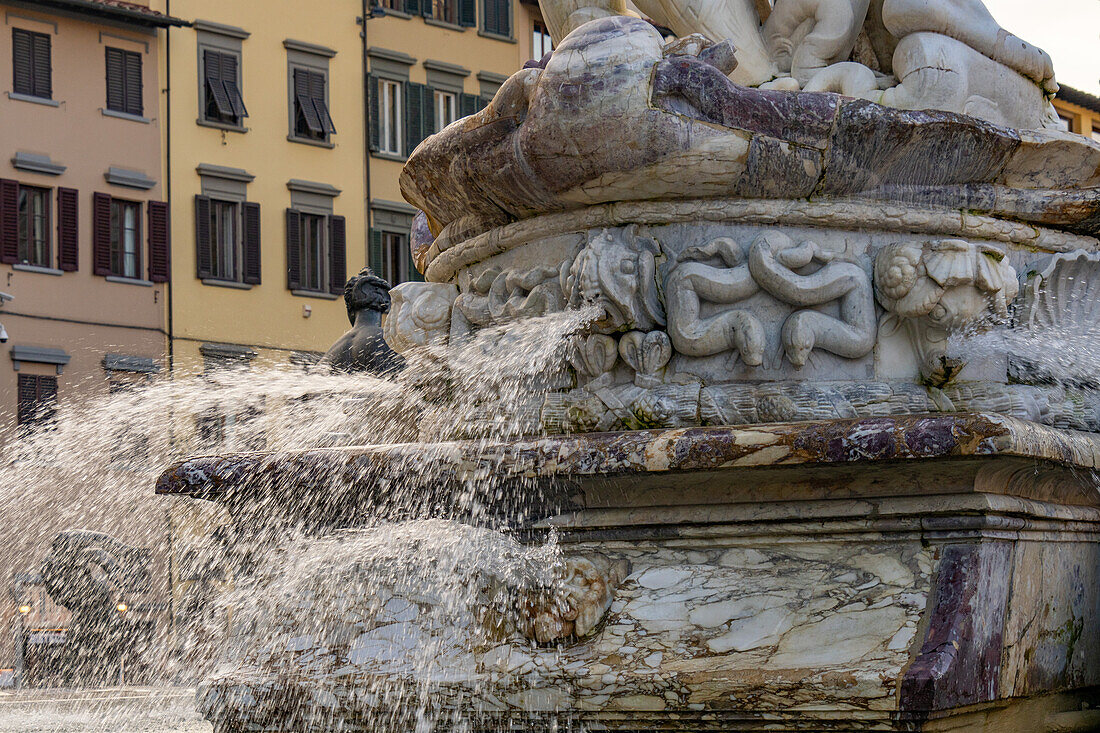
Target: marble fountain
788	491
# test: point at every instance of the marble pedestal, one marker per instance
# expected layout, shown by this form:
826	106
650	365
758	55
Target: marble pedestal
913	573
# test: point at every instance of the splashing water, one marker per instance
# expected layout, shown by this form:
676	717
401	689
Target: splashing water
95	465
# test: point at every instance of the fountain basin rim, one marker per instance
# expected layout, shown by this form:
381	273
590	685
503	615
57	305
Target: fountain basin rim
448	256
664	451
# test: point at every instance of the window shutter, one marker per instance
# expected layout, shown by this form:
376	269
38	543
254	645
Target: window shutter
204	261
133	83
251	244
467	13
9	221
489	9
68	241
427	106
28	397
22	62
373	93
293	244
412	7
116	88
213	62
337	255
414	116
229	84
374	253
303	85
43	82
101	233
159	242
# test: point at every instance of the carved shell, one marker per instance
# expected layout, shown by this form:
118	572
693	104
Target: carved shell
595	355
896	271
1063	294
646	353
951	262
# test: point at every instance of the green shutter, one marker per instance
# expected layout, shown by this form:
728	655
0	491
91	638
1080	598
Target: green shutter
412	7
468	104
415	130
467	13
374	253
373	92
427	124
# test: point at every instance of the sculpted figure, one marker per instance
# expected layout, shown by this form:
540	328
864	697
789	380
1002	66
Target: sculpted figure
362	348
497	296
419	316
936	289
588	584
616	271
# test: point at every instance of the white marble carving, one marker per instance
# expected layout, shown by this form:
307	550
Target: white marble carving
420	315
647	354
578	602
616	272
498	296
938	289
772	265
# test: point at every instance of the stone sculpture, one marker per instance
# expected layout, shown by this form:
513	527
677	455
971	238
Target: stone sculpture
943	287
910	54
420	315
578	603
95	577
362	348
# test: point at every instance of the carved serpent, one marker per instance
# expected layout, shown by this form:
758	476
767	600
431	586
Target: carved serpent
771	259
692	282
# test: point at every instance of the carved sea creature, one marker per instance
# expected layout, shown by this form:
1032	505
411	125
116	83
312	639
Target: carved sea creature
578	603
616	271
692	282
938	288
773	259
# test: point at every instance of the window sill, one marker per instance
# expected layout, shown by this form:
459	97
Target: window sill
307	141
35	100
391	13
226	283
388	156
124	115
496	37
37	268
129	280
314	294
220	125
445	24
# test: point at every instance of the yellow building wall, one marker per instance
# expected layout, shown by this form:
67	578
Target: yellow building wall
268	315
467	48
1081	120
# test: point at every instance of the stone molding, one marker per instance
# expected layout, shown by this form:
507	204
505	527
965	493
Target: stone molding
39	355
37	164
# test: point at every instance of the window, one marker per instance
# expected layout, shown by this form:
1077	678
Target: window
316	252
221	89
311	117
37	399
445	11
395	258
224	239
125	238
31	64
1096	131
541	43
497	18
124	82
390	117
34	226
1067	122
312	252
446	109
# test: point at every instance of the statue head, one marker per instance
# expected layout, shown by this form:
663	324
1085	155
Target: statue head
366	291
616	271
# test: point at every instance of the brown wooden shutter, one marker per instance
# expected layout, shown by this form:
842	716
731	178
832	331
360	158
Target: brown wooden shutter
159	242
293	245
101	234
27	399
373	91
22	57
251	243
337	255
68	227
43	74
9	221
133	82
116	73
204	261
